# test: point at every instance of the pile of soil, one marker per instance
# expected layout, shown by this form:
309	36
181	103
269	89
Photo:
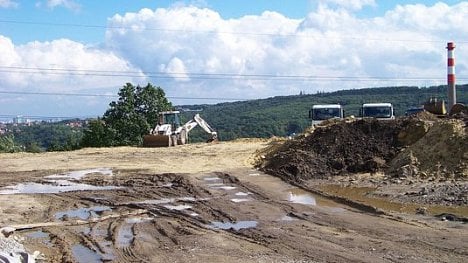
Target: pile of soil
441	154
345	147
420	147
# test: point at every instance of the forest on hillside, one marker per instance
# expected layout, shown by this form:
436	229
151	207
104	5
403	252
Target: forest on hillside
263	118
285	115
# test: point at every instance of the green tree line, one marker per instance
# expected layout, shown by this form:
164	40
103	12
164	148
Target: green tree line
135	113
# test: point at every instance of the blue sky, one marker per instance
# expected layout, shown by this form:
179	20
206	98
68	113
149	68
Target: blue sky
94	47
96	13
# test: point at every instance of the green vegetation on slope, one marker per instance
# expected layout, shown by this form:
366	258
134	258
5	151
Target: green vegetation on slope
282	116
277	116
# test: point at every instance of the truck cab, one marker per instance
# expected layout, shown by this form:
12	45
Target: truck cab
381	111
319	113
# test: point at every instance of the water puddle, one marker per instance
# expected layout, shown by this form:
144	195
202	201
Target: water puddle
37	235
167	200
363	195
40	236
82	213
59	183
241	194
287	218
299	196
178	207
83	254
210	179
64	186
77	175
125	234
236	226
225	187
239	200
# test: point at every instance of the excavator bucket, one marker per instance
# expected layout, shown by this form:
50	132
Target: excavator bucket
435	107
153	140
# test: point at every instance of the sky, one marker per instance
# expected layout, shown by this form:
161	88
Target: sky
69	58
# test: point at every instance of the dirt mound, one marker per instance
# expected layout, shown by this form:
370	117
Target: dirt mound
345	147
404	147
441	153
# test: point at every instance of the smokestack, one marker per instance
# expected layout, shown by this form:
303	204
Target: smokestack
452	95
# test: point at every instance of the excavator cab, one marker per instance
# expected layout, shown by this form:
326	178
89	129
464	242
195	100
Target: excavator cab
169	117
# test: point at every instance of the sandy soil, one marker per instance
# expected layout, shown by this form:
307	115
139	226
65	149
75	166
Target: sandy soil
204	203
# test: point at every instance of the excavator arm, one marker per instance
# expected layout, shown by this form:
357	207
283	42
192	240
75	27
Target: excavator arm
197	120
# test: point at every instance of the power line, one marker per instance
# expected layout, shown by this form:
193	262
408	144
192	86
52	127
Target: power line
185	31
4	116
202	76
107	95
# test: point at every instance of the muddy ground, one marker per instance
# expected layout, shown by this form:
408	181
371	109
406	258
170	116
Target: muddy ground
207	203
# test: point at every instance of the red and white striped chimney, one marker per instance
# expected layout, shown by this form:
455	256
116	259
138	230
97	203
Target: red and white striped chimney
452	96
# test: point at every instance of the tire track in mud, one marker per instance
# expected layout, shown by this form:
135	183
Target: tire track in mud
200	217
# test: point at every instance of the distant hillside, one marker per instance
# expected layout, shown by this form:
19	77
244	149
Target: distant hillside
281	116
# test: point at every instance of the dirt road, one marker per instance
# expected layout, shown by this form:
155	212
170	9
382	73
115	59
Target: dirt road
200	203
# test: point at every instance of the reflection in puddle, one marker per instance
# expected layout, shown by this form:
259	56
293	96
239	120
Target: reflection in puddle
77	175
40	236
178	207
288	218
226	187
299	196
211	178
239	200
167	200
37	234
82	213
125	234
59	186
83	254
236	226
242	194
59	183
215	184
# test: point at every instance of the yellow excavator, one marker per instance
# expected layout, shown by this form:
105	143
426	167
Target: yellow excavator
169	131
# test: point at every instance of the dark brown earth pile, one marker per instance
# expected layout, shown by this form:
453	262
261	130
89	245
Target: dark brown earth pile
356	147
421	146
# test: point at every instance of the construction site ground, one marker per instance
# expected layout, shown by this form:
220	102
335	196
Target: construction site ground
208	203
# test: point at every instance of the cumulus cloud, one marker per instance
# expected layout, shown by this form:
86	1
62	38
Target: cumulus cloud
69	4
61	66
407	42
194	52
8	4
348	4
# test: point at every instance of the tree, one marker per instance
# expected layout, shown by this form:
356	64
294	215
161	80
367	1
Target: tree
8	145
128	118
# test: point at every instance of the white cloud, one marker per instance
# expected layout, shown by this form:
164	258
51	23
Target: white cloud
329	42
194	52
69	4
8	4
39	66
348	4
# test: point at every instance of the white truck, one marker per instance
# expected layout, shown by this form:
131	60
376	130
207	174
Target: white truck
380	111
322	112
